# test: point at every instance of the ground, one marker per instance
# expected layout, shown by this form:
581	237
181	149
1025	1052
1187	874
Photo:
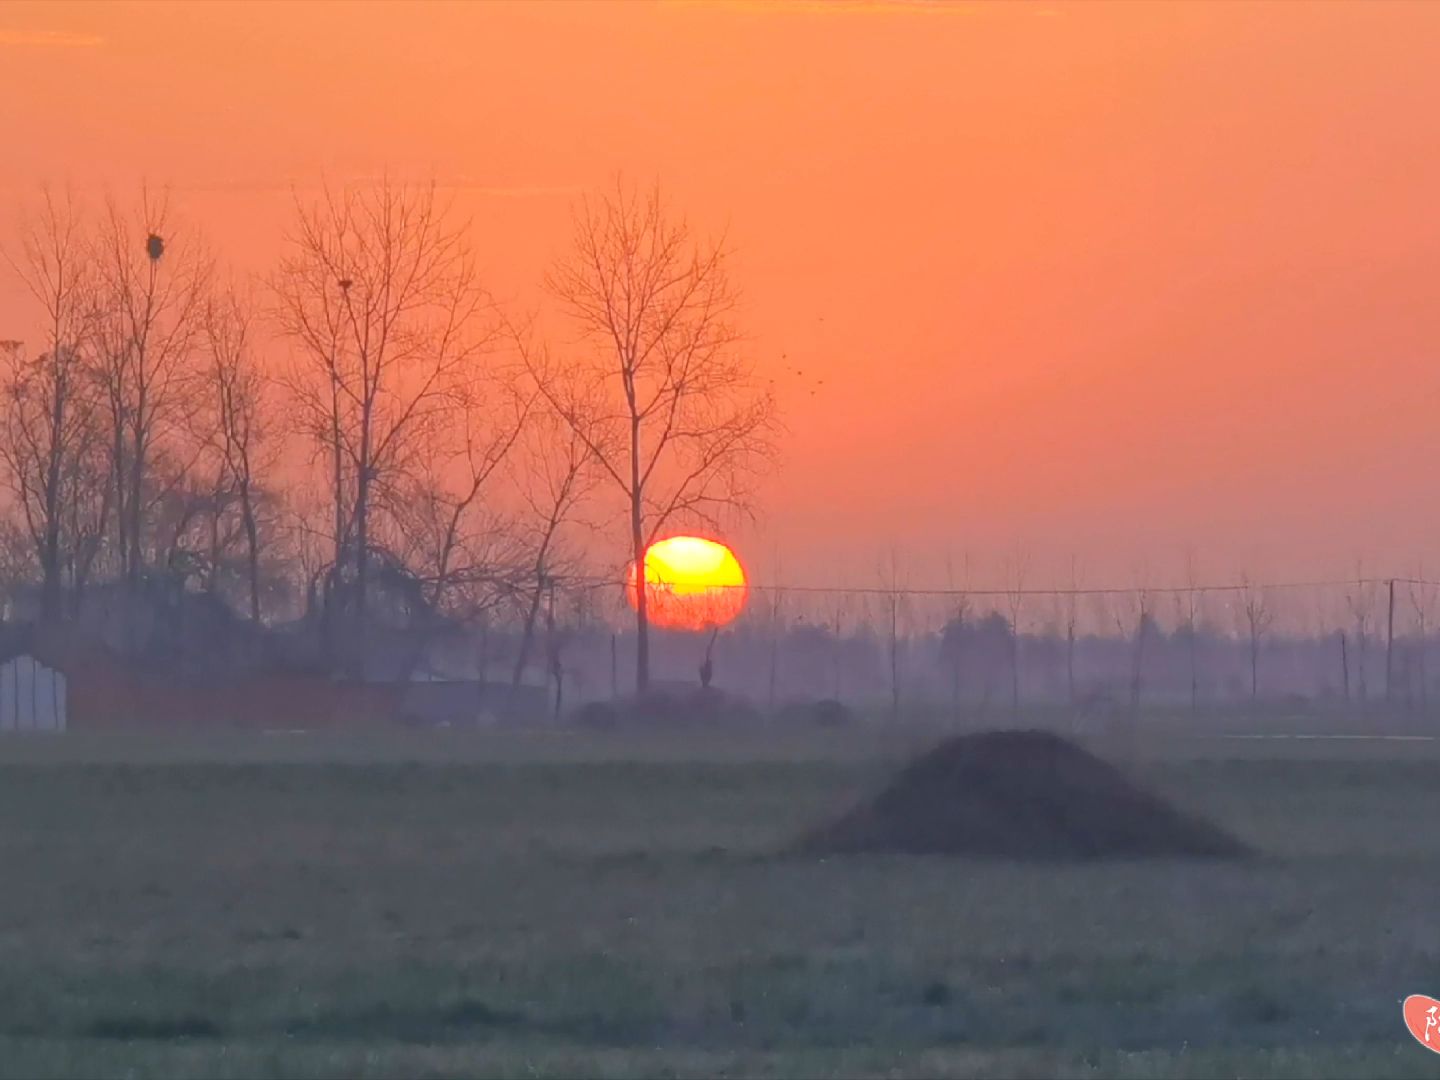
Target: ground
557	905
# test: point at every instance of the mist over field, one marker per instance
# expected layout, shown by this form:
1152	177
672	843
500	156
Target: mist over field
865	538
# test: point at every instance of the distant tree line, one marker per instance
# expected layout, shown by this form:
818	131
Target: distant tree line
952	652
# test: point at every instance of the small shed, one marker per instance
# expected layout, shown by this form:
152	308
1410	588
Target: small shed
32	695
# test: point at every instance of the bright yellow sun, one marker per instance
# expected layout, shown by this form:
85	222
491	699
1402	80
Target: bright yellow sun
691	583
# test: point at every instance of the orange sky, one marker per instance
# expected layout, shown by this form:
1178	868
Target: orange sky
1105	280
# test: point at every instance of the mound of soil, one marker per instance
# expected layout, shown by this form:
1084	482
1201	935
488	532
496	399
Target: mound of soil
1019	795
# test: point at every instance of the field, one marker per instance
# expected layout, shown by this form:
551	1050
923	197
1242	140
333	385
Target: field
559	905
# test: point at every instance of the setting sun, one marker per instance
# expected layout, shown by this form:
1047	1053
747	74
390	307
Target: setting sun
691	583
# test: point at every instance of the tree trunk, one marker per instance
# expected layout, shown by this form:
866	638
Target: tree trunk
1345	665
136	558
50	553
252	540
1137	675
50	574
774	678
1070	664
362	550
527	636
894	657
1194	674
362	540
338	478
122	509
642	591
212	582
552	650
1014	670
614	669
955	685
1361	687
1390	642
137	487
1254	667
1423	665
707	665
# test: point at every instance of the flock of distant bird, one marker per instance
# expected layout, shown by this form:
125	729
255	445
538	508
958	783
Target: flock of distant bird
799	373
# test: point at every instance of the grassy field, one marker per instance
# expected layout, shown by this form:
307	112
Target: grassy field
446	905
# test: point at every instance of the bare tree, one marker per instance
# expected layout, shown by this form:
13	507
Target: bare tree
1258	618
1142	629
1072	619
961	610
1345	664
662	397
555	476
1360	601
894	586
379	292
775	619
839	604
238	421
554	644
48	433
149	317
1322	631
1192	629
188	526
88	515
1016	569
1422	599
451	534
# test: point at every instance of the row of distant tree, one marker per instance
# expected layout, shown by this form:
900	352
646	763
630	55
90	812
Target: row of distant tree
363	434
975	659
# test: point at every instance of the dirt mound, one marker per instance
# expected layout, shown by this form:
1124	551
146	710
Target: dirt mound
1018	795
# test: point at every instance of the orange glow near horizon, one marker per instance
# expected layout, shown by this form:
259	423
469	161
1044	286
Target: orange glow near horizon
1107	282
691	583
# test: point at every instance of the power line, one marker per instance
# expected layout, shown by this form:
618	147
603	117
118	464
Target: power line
1130	590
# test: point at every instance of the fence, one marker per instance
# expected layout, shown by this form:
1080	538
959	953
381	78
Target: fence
1361	642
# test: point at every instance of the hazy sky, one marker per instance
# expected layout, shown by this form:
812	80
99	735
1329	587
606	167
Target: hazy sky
1104	280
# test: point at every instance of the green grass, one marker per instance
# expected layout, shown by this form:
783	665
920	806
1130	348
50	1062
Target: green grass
443	905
